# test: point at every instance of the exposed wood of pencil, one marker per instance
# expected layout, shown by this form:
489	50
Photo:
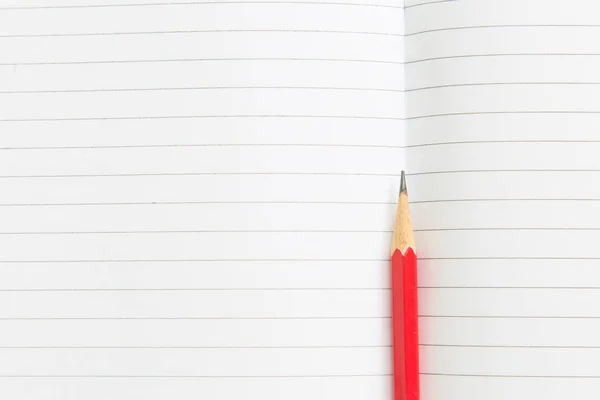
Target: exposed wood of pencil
404	236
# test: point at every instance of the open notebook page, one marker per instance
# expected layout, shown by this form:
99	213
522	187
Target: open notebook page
197	198
503	117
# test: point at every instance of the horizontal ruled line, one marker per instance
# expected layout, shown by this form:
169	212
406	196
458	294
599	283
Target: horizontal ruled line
195	3
166	232
540	141
457	28
509	258
158	203
276	289
499	55
179	318
341	289
499	200
484	346
194	260
499	113
84	34
567	228
176	60
458	85
469	171
151	146
358	89
514	376
508	317
192	347
288	116
192	376
513	287
199	174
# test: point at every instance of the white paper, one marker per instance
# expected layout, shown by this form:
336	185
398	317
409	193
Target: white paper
502	122
197	198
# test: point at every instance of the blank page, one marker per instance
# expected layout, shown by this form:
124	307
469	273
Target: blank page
503	118
197	198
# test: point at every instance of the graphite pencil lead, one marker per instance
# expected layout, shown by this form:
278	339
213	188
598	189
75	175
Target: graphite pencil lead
402	182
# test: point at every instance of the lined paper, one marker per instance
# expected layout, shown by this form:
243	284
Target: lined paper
502	148
197	198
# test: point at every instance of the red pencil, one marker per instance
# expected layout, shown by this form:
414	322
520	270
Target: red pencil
404	303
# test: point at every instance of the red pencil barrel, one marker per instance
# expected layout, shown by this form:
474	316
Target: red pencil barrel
405	325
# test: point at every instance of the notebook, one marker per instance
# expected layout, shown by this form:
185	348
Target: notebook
197	197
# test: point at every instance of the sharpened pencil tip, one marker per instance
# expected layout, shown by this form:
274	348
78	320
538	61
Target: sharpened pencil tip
402	182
